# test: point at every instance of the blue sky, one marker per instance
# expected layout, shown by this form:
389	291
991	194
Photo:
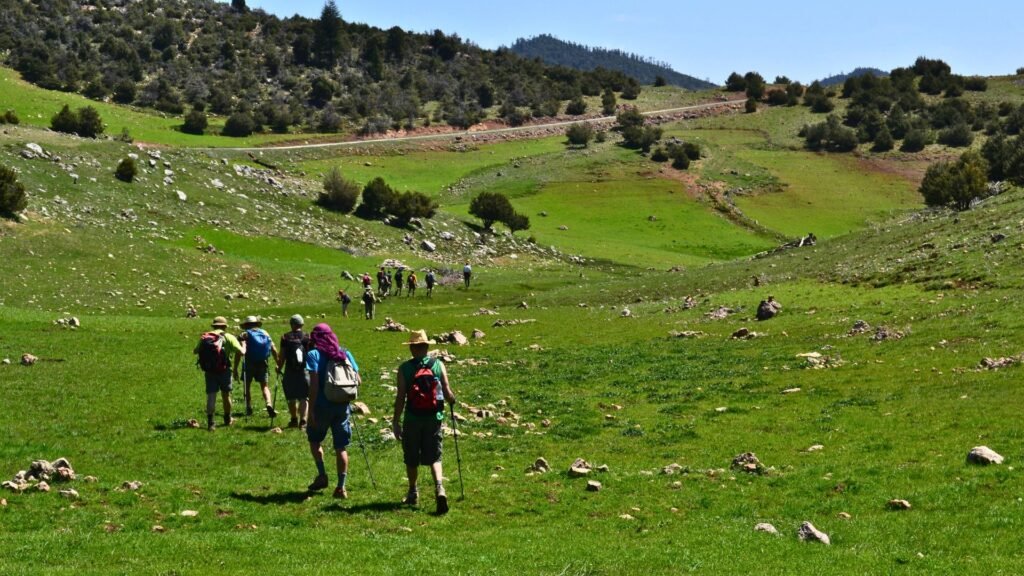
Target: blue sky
803	40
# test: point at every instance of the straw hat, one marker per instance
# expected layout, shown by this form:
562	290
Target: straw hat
219	322
418	337
251	321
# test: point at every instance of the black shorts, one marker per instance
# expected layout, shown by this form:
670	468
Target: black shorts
421	440
295	384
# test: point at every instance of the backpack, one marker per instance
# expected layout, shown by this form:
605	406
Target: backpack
368	297
293	347
212	354
424	395
341	385
257	345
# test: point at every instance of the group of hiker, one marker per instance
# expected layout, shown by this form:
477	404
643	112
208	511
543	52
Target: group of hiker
390	283
320	380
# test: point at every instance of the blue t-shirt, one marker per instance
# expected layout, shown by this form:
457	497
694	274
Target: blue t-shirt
314	363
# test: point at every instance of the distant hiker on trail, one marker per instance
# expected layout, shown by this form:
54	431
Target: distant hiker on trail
214	353
411	282
367	282
295	381
382	282
423	389
259	346
398	283
327	363
467	274
345	300
430	280
369	301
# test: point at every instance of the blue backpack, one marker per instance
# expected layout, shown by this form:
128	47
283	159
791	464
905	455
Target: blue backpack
257	345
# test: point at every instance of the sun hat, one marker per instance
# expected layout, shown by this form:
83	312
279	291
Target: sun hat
219	322
418	337
251	321
297	320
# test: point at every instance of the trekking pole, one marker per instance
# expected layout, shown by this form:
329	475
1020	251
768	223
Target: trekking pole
362	446
277	386
458	456
245	392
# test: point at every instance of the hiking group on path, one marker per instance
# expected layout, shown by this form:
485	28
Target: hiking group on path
321	379
391	284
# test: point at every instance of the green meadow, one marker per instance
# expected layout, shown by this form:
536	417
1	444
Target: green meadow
601	371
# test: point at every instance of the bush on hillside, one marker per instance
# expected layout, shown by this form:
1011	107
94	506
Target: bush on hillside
755	85
491	207
955	184
517	222
680	161
659	81
65	121
579	134
239	125
90	125
601	137
12	193
126	170
915	140
777	97
976	84
195	123
735	83
576	107
631	90
378	198
750	106
408	205
956	136
9	117
608	102
1005	159
883	140
659	155
124	92
830	136
339	194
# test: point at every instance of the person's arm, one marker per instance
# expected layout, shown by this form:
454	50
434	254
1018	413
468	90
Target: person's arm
279	358
449	396
239	347
396	420
273	352
312	366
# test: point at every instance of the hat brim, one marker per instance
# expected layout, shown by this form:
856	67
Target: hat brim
413	343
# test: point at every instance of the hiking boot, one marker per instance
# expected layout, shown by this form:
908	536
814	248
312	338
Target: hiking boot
319	483
271	412
302	424
442	502
340	493
248	410
210	426
228	421
293	423
412	498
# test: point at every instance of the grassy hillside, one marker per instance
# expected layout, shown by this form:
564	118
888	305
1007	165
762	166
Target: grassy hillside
894	418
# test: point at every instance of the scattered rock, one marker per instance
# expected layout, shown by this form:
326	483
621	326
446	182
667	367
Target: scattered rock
6	361
540	465
347	275
747	462
672	469
3	502
883	333
983	455
70	494
35	149
844	516
43	486
815	448
626	313
275	430
478	334
131	485
997	363
859	327
189	513
158	529
192	423
391	326
181	195
720	313
809	533
505	323
28	359
485	312
603	468
360	408
687	334
563	227
626	517
428	246
523	306
790	390
897	504
765	527
998	237
579	468
90	479
744	334
593	486
768	309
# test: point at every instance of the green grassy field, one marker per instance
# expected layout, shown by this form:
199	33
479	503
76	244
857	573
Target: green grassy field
894	418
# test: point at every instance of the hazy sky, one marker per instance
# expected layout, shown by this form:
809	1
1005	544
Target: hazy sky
803	40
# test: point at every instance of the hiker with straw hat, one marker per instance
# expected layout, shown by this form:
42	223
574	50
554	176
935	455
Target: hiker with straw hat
214	353
259	347
423	389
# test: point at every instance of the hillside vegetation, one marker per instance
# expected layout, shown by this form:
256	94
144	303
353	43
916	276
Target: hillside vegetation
895	352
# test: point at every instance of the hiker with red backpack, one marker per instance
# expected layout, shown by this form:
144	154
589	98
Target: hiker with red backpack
259	347
333	382
292	360
213	356
423	388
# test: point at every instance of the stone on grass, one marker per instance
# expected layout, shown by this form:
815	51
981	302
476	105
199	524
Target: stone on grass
478	334
3	502
275	430
131	485
768	309
790	390
189	513
983	455
43	486
765	527
540	465
898	504
747	462
672	469
579	468
815	448
593	486
28	359
428	246
809	533
844	516
603	468
158	529
360	408
70	494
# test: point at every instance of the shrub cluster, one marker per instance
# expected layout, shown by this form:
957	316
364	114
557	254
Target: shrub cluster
85	122
956	184
9	117
339	194
494	207
12	193
579	134
380	199
126	170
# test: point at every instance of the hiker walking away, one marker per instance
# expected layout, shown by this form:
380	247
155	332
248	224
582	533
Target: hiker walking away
345	300
382	282
295	380
411	282
214	353
323	358
259	346
423	389
389	276
467	274
369	301
430	280
367	282
398	283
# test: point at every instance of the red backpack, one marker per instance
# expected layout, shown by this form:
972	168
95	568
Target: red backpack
212	354
425	395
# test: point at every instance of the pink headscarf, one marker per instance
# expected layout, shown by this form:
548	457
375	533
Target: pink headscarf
322	338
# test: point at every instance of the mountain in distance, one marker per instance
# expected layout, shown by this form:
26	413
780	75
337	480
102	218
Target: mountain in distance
856	72
560	52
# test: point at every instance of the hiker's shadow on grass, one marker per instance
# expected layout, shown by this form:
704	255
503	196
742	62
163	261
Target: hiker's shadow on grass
292	497
368	507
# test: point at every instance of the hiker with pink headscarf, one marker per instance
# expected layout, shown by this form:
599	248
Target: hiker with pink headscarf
323	355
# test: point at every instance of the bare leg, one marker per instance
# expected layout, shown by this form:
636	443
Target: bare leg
435	471
266	392
342	457
412	473
303	409
225	398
